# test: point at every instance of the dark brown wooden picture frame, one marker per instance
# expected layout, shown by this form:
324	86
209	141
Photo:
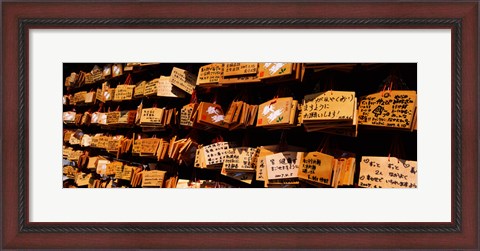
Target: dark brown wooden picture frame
19	17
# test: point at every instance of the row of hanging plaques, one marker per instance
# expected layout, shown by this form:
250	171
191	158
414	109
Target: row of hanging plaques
135	176
208	75
98	74
291	165
218	74
181	82
160	87
138	145
331	111
334	112
272	165
314	168
244	162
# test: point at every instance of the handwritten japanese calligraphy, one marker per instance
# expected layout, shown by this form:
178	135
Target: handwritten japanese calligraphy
388	109
183	80
317	167
236	69
153	178
209	74
165	88
215	153
387	172
186	114
283	165
239	158
330	105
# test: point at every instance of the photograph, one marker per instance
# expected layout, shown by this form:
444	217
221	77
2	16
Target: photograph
232	125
